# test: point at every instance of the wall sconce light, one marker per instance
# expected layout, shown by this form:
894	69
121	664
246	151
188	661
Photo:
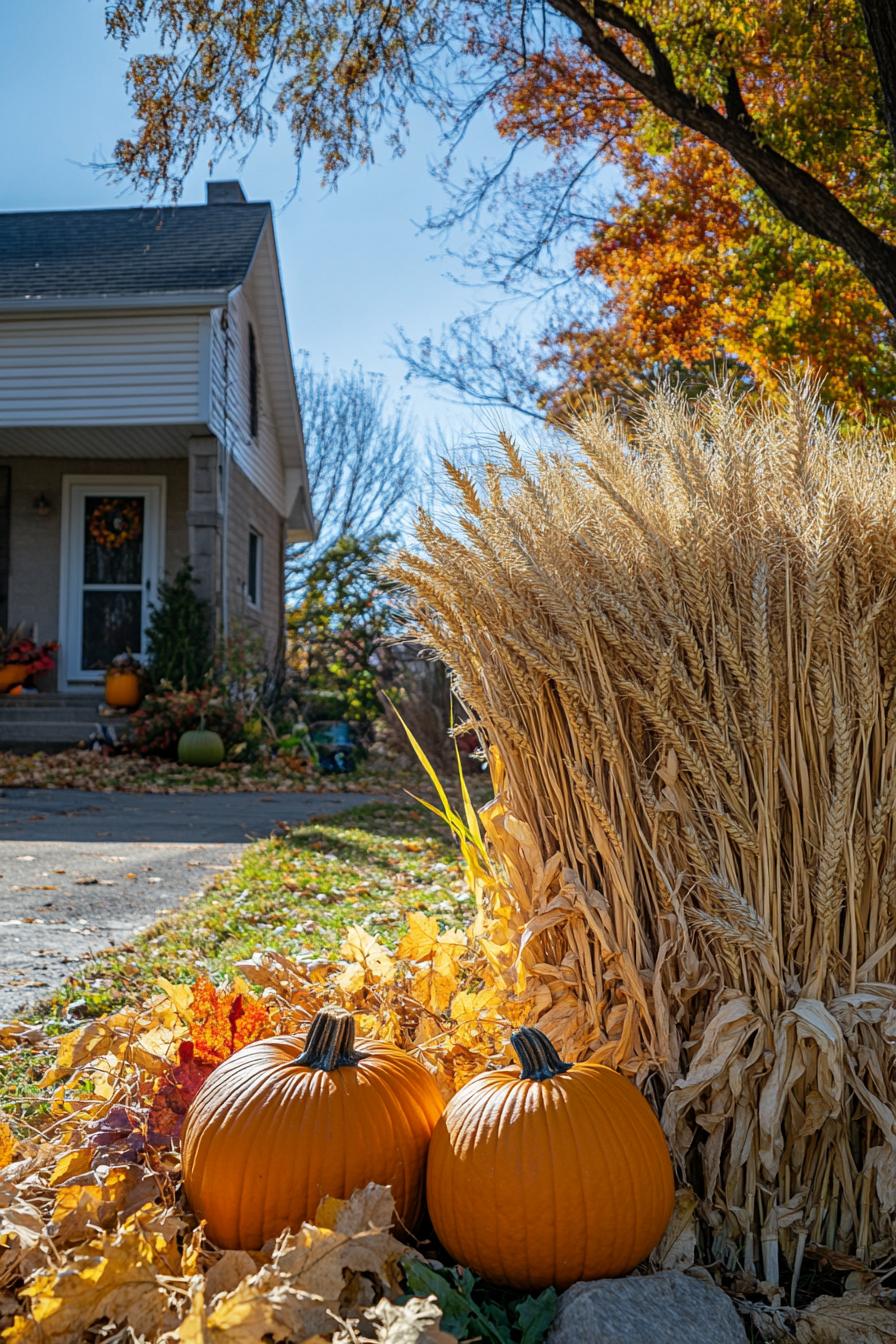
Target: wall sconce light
42	506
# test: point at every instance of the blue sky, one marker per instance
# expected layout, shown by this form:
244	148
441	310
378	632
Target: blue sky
355	264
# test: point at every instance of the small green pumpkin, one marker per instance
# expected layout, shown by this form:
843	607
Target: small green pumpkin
200	746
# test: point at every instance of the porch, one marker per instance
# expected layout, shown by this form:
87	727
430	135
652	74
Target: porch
66	577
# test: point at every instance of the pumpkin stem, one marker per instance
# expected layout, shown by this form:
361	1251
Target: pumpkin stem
538	1058
330	1041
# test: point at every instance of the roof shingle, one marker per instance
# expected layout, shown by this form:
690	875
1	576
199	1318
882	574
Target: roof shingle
72	254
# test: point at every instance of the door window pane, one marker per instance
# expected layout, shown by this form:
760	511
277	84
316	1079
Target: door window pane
113	539
111	625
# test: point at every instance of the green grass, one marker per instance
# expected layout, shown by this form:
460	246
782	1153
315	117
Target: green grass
297	892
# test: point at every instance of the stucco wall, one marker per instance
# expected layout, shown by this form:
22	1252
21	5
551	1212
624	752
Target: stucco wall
249	509
35	541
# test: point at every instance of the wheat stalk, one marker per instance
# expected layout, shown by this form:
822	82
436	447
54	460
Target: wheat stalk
678	643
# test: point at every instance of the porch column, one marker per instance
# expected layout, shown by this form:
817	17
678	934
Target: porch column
204	519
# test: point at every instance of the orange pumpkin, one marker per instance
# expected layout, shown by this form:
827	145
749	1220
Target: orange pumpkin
122	688
557	1173
279	1125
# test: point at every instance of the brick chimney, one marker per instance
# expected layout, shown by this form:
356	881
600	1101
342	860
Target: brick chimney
224	193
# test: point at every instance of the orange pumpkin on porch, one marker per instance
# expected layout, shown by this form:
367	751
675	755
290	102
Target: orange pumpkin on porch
557	1173
283	1123
122	688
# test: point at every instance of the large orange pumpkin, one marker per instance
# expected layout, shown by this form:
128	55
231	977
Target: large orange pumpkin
557	1173
283	1123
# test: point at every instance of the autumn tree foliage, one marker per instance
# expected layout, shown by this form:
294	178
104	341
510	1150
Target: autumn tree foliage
696	266
754	146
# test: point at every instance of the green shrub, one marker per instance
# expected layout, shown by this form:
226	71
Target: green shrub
179	638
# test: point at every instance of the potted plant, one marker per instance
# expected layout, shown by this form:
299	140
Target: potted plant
123	688
21	658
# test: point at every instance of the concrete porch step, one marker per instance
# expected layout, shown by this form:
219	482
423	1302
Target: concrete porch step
59	699
51	720
54	713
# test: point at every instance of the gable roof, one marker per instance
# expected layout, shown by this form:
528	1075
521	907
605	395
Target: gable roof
59	255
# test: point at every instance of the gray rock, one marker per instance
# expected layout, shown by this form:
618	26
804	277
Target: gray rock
665	1308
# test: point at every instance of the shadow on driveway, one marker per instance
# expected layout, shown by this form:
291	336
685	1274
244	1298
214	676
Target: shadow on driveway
79	816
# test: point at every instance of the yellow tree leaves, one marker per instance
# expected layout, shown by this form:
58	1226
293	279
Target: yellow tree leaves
148	1275
115	1276
437	955
7	1144
338	1267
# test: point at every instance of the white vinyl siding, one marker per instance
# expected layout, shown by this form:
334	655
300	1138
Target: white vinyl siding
105	369
229	416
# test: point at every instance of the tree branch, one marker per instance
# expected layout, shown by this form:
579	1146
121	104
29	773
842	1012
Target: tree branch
799	196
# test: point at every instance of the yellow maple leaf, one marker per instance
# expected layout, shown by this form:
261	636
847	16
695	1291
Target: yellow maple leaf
73	1162
352	979
433	989
361	947
371	1206
472	1009
421	938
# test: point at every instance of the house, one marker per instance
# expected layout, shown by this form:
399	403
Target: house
148	414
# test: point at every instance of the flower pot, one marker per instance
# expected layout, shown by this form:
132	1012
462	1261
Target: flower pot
13	674
122	689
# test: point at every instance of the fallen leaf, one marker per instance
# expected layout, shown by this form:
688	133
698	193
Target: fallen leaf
855	1318
173	1095
8	1144
416	1321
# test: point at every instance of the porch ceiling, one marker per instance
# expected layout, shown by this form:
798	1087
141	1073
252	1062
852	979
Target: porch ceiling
130	442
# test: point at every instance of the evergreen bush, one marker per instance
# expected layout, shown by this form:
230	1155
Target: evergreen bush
179	639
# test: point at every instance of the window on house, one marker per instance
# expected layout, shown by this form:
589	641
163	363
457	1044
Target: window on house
253	572
253	385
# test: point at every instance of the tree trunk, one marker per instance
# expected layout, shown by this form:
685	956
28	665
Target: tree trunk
880	25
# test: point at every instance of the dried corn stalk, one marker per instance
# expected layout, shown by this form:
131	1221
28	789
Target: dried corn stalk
680	643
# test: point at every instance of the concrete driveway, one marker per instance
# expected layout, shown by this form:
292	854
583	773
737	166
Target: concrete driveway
82	871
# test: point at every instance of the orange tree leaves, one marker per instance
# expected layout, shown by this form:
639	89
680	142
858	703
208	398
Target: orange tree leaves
221	1023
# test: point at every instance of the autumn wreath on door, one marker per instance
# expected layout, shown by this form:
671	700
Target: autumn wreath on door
114	522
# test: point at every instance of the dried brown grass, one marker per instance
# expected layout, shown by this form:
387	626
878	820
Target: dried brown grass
680	642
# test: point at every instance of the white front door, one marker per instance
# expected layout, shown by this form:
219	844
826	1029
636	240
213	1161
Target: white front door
112	556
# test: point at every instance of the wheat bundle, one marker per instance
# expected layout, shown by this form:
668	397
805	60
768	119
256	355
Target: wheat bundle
680	640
